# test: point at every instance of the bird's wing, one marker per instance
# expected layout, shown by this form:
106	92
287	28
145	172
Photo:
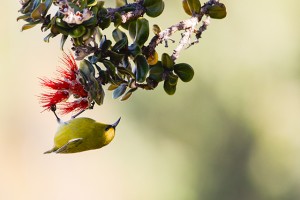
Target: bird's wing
73	143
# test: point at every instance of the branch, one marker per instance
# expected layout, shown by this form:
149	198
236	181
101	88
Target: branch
188	26
128	11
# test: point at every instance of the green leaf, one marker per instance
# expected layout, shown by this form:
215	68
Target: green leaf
194	5
112	87
128	94
139	31
28	8
120	44
28	26
117	19
118	35
167	61
132	29
105	44
59	22
110	66
217	11
104	21
125	71
154	7
77	31
151	83
24	17
115	57
91	3
119	91
169	89
96	91
134	49
184	71
142	31
142	68
156	72
172	79
38	11
86	68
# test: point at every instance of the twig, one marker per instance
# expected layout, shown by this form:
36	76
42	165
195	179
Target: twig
128	11
188	26
202	28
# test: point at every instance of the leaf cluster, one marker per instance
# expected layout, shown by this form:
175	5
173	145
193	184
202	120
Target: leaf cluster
124	63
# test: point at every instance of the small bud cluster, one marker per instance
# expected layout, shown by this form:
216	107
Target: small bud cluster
70	16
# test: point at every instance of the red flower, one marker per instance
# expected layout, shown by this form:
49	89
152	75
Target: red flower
65	86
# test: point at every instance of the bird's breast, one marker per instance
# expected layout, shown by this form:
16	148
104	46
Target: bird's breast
109	136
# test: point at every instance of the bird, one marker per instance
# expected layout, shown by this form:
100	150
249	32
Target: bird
81	134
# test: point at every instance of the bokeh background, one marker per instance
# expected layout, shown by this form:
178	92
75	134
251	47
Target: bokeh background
233	133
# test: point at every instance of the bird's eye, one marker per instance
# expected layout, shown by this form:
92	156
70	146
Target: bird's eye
108	127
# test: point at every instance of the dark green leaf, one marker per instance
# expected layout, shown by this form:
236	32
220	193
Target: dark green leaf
120	44
151	83
110	66
184	71
96	90
117	19
125	71
77	31
142	31
167	62
134	49
172	79
142	68
154	7
104	21
118	35
169	89
156	72
217	11
132	29
87	68
105	44
61	23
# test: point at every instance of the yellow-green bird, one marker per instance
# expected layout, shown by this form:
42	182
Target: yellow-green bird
82	134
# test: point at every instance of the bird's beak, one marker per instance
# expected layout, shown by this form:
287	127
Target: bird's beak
114	125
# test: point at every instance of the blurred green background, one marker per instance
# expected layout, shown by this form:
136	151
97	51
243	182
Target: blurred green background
233	133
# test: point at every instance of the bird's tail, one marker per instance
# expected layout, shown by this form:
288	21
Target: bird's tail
49	151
